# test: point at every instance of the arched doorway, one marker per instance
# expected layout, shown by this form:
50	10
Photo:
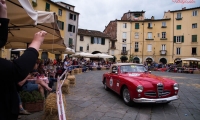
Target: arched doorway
149	60
163	60
95	52
44	55
136	60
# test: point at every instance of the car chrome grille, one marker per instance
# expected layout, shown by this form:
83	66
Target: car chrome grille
150	94
161	91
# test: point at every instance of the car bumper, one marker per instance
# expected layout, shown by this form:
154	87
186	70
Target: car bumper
159	100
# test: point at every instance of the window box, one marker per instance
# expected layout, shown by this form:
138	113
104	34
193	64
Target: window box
123	52
149	27
163	52
163	38
149	39
163	26
178	18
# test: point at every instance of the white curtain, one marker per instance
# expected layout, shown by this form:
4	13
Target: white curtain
95	40
149	35
149	47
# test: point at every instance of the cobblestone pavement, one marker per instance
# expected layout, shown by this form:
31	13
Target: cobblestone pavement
89	101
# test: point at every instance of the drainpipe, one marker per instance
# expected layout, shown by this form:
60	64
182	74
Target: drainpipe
130	38
143	44
173	39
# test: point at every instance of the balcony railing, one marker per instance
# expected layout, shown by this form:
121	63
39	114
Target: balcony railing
123	52
163	52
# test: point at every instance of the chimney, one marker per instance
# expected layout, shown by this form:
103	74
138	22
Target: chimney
152	17
183	8
168	10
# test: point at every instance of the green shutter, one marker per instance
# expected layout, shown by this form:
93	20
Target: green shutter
182	39
47	7
62	25
194	38
137	26
174	39
103	41
73	29
69	28
92	40
178	27
70	41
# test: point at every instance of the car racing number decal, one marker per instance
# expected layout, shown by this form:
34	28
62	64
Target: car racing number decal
111	82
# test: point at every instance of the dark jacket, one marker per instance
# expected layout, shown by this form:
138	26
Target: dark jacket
10	74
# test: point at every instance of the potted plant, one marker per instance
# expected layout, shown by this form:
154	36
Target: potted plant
32	101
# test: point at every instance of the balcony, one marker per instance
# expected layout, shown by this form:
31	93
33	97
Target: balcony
136	50
149	27
163	38
163	26
124	52
178	18
113	47
163	52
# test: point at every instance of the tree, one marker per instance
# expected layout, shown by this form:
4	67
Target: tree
123	58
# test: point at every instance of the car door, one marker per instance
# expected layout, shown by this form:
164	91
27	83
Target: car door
112	78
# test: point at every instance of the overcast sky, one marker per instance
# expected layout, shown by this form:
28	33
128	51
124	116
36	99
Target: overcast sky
96	14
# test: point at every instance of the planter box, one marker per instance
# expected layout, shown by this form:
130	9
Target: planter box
34	107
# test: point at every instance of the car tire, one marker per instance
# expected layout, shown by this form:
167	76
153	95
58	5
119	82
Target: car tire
105	85
126	96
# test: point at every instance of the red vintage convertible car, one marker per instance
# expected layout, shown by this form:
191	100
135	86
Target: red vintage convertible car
137	85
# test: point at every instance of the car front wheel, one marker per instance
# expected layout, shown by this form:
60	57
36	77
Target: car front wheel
126	97
105	86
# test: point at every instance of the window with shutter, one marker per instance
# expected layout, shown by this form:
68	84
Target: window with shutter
81	38
81	48
182	39
59	12
194	50
174	39
137	26
74	17
47	8
92	40
70	41
103	41
194	38
73	29
178	27
70	16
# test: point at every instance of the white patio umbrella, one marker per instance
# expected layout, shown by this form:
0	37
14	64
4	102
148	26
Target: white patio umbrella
81	54
100	55
62	51
191	59
25	22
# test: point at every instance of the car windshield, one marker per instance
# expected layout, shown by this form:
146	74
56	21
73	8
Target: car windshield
132	68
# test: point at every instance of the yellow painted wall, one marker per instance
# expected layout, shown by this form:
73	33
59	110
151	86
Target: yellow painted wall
92	47
187	31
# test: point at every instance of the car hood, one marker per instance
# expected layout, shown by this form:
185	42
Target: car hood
146	78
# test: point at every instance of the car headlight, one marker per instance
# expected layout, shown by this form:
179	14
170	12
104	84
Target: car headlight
139	88
176	86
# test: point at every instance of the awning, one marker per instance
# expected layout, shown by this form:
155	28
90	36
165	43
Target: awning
25	22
